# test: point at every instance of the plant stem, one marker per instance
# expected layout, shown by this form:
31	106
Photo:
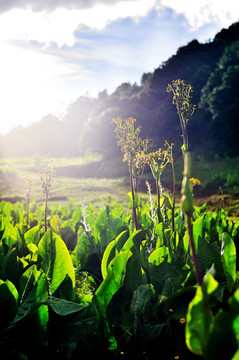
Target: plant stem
27	214
158	191
184	131
192	246
173	202
132	192
45	217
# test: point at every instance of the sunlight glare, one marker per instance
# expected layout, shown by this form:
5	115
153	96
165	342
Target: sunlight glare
31	86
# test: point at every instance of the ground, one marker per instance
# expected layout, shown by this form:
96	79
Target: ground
99	182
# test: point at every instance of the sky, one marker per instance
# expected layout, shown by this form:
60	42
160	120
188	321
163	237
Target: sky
52	52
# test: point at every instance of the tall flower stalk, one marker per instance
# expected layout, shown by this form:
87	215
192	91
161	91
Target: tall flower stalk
173	171
188	209
157	161
131	146
152	215
28	184
47	174
185	110
181	98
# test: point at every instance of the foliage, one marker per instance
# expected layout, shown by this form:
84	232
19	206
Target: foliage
219	98
111	284
136	300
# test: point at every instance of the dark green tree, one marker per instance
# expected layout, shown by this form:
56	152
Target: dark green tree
220	99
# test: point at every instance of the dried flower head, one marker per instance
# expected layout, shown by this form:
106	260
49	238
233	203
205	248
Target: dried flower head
132	146
28	185
182	100
159	159
47	172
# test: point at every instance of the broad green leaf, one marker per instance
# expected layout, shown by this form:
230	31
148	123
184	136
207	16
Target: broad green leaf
199	316
69	236
55	260
141	305
12	266
236	329
222	342
33	253
63	307
8	302
10	235
137	201
144	261
198	230
40	318
107	257
133	241
141	301
55	223
113	281
186	242
224	334
33	235
153	332
228	252
27	280
236	355
120	317
176	304
83	249
159	230
165	272
11	288
158	255
167	201
112	249
7	209
134	265
107	228
209	254
38	294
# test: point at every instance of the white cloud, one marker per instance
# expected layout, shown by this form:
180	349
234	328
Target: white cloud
39	5
203	12
59	26
34	83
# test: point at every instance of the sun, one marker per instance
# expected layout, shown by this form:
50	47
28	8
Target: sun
31	86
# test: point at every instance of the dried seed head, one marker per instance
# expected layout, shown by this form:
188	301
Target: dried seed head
132	146
47	172
28	184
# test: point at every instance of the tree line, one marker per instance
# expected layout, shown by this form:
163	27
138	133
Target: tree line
212	68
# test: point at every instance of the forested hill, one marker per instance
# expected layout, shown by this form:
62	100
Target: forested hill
211	68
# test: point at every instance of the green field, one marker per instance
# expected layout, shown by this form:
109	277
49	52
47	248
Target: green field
84	282
100	181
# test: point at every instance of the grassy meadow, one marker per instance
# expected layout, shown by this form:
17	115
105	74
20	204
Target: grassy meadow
96	181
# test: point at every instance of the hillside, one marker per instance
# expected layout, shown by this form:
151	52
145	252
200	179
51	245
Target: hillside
211	68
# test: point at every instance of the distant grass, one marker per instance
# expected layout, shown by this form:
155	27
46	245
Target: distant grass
66	185
222	174
71	181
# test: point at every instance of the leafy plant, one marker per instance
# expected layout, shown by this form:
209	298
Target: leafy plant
93	286
132	146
